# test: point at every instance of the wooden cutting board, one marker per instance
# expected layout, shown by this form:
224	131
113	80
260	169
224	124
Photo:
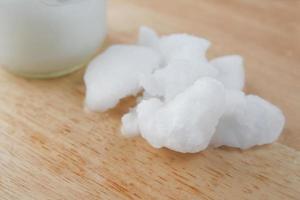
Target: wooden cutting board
51	149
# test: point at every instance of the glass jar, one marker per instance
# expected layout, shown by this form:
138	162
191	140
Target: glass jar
50	38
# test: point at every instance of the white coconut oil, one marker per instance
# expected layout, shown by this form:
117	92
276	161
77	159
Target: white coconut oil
48	38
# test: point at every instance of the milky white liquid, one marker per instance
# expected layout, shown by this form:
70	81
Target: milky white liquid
42	38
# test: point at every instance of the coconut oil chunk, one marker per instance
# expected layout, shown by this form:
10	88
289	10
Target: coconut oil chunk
186	102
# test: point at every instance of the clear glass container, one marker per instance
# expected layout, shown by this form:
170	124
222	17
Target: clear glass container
50	38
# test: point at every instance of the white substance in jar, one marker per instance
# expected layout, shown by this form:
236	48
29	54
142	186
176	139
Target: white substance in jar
46	38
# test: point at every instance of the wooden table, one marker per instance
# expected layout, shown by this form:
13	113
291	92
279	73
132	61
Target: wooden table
51	149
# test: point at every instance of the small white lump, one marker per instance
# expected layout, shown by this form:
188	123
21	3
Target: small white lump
175	78
247	121
187	122
115	74
148	38
175	46
130	126
231	71
188	102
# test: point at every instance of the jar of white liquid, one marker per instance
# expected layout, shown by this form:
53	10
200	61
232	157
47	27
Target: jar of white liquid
50	38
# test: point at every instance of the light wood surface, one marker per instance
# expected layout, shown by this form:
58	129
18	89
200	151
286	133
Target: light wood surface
51	149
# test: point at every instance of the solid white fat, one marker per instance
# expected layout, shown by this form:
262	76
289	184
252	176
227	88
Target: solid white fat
148	37
188	102
175	46
231	71
115	74
186	123
130	126
248	121
176	77
183	46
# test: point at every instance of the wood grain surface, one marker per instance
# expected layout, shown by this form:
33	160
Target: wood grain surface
51	149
